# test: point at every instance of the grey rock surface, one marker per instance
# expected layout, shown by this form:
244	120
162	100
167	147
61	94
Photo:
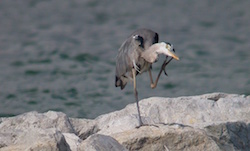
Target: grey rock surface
35	131
101	143
215	121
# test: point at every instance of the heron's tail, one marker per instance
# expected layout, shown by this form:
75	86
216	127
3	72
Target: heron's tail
120	82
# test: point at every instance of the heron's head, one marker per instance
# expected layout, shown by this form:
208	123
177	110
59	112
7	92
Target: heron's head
168	49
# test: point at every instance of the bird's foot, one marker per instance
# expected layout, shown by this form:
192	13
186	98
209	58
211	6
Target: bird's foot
153	86
165	63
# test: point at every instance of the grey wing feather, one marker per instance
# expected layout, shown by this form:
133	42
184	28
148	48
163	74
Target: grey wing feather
124	61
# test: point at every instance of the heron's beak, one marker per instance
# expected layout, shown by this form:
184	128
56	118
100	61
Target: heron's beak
172	54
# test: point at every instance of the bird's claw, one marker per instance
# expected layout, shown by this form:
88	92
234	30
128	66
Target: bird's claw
165	63
165	72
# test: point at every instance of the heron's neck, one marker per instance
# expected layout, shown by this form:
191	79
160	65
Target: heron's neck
159	47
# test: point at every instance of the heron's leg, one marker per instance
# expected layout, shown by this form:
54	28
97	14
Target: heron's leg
151	77
154	84
136	97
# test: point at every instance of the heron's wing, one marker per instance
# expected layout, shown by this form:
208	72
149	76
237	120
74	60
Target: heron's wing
125	60
127	56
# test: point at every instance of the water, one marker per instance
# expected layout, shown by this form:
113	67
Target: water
60	55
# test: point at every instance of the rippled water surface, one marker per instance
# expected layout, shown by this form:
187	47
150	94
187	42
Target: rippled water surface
60	55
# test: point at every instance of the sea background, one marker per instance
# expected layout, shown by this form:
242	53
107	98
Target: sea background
60	55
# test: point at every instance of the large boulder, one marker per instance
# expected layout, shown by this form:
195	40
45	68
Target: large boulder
215	121
35	131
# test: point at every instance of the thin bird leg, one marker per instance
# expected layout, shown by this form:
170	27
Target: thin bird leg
136	97
151	77
154	84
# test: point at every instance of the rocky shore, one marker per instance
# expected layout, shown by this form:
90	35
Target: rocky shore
216	121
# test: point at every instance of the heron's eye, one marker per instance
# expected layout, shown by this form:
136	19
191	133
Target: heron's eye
168	43
168	46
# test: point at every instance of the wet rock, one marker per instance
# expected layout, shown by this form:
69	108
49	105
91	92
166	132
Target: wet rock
216	121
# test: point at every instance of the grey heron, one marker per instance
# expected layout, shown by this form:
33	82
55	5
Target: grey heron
136	55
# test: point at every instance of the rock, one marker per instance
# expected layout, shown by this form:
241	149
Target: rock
197	115
36	140
166	137
226	136
84	127
35	131
215	121
98	142
230	135
193	111
34	120
72	140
